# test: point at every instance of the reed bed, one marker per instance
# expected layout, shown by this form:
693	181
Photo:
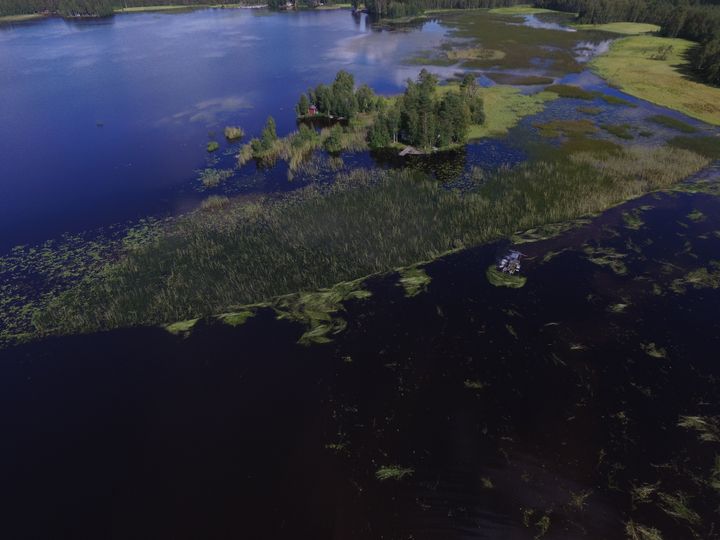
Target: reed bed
366	222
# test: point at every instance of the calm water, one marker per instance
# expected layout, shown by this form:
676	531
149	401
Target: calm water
103	121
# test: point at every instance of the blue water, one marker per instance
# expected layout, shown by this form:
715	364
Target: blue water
106	121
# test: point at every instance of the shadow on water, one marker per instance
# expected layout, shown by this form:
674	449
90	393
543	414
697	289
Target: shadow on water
512	413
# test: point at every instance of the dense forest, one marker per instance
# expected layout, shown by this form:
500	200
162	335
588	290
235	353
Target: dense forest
426	116
93	8
694	20
405	8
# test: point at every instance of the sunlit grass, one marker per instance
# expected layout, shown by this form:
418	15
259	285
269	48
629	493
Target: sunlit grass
658	77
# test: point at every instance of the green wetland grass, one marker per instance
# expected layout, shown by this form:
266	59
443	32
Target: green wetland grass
366	222
672	123
708	146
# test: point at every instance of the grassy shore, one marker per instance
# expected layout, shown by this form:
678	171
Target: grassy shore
625	28
656	75
216	261
21	18
525	9
174	7
505	106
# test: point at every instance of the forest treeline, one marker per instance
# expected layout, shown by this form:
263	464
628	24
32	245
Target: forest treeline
697	21
94	8
407	8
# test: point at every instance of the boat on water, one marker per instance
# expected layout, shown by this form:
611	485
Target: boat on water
510	263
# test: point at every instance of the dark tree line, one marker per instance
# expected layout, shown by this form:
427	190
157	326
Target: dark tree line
404	8
694	20
87	8
339	99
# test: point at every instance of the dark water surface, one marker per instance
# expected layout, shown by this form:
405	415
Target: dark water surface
509	405
104	121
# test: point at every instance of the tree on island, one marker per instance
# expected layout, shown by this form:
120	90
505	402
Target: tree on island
267	138
426	117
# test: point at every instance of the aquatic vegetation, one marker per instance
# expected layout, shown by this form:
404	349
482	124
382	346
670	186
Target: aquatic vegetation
214	202
578	500
700	278
236	318
594	111
708	427
521	44
696	216
705	146
566	128
233	133
214	177
545	232
614	100
658	80
393	472
182	328
635	531
499	278
543	526
651	349
714	480
570	91
474	385
618	308
249	252
212	146
673	123
319	310
619	130
606	257
486	483
643	494
633	219
677	506
645	133
414	280
475	53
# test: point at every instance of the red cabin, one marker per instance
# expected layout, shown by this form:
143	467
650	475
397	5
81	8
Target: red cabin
312	110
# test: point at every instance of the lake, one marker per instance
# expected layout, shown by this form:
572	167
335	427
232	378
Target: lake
105	121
